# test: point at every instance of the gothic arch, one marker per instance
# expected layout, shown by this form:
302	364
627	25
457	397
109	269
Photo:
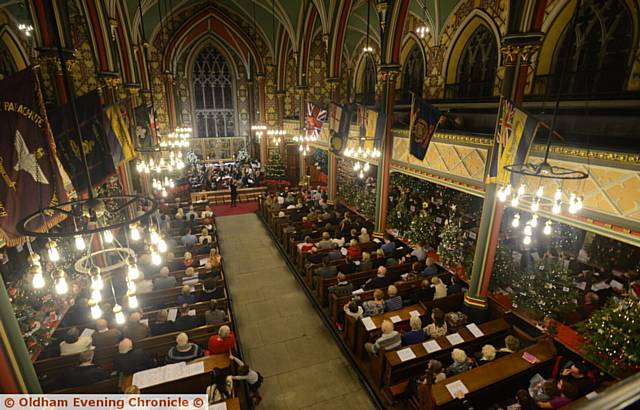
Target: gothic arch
13	48
410	43
365	62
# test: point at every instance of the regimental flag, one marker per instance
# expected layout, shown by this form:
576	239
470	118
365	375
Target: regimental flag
424	120
316	118
335	115
94	141
515	131
118	135
371	125
31	176
145	126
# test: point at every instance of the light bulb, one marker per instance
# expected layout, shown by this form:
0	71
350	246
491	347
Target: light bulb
54	255
135	232
515	201
557	195
573	208
119	316
80	245
534	221
96	296
547	228
579	203
540	192
154	236
502	195
556	208
163	193
521	190
535	205
527	240
133	273
61	286
38	280
356	166
366	167
132	302
162	246
156	259
528	230
131	286
96	312
507	190
108	236
361	175
97	283
516	221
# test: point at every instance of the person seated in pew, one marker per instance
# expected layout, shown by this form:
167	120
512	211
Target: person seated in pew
457	285
421	294
416	334
354	251
180	214
308	245
186	321
349	267
189	262
389	246
216	313
438	326
190	276
214	262
378	281
85	372
205	238
129	360
365	262
430	267
207	213
143	285
389	340
183	351
325	243
306	223
394	301
577	373
353	235
74	343
511	344
326	270
165	224
461	363
342	288
418	253
186	297
523	401
135	330
145	266
439	288
414	273
103	336
164	280
567	391
162	324
172	263
78	313
192	212
486	355
254	379
211	290
376	306
223	342
188	240
432	374
364	236
352	309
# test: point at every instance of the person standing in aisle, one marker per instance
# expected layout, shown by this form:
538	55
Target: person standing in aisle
234	193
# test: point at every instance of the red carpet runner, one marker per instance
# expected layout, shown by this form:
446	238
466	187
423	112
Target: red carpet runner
242	208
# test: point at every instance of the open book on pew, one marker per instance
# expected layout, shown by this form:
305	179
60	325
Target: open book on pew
167	373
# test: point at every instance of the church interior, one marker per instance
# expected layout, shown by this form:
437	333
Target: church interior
322	204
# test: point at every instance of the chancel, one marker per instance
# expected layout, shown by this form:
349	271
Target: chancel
296	204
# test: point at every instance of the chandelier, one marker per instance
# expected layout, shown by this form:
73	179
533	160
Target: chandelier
367	48
276	135
173	163
363	157
423	30
177	139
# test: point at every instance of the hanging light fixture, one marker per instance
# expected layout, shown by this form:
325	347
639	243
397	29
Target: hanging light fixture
367	48
423	29
62	287
118	315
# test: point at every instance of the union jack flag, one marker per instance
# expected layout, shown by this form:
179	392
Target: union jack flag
316	118
505	124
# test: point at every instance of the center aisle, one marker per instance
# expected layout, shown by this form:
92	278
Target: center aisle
281	335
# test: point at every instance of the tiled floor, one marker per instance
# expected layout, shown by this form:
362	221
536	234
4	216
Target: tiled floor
282	336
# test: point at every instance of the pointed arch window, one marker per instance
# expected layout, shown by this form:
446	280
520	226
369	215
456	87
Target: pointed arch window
413	75
369	82
7	65
477	67
597	54
213	91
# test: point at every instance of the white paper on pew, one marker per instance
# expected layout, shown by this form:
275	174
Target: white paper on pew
204	261
173	313
190	281
195	368
455	339
617	273
395	319
368	323
376	240
357	263
405	354
431	346
87	332
599	286
174	371
357	291
456	387
616	285
192	312
145	322
414	313
147	378
343	251
475	330
218	406
581	285
592	395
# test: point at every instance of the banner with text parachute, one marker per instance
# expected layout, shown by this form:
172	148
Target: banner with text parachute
31	175
94	127
515	131
424	122
118	135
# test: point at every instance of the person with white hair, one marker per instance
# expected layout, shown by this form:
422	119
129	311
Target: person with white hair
105	337
389	340
184	350
378	281
487	354
416	335
85	372
223	342
460	363
364	236
129	360
164	280
394	301
135	330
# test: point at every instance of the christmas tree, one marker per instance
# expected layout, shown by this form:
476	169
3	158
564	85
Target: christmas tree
612	337
503	268
275	168
423	228
398	216
451	248
546	290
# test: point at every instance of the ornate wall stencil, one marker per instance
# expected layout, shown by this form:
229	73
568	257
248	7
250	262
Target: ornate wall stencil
318	87
291	105
83	70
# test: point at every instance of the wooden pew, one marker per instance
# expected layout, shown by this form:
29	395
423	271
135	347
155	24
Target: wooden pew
223	197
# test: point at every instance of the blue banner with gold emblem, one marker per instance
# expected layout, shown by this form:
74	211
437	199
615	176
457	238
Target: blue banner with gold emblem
424	121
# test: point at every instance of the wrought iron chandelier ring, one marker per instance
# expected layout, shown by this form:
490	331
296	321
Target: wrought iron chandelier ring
85	263
545	170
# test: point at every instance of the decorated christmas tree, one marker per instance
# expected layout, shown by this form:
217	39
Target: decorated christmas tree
34	310
503	268
612	337
423	228
398	216
275	168
451	248
547	289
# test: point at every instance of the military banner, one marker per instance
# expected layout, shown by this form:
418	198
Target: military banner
29	168
424	122
118	135
144	126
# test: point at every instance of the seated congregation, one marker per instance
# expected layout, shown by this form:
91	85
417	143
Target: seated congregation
400	315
